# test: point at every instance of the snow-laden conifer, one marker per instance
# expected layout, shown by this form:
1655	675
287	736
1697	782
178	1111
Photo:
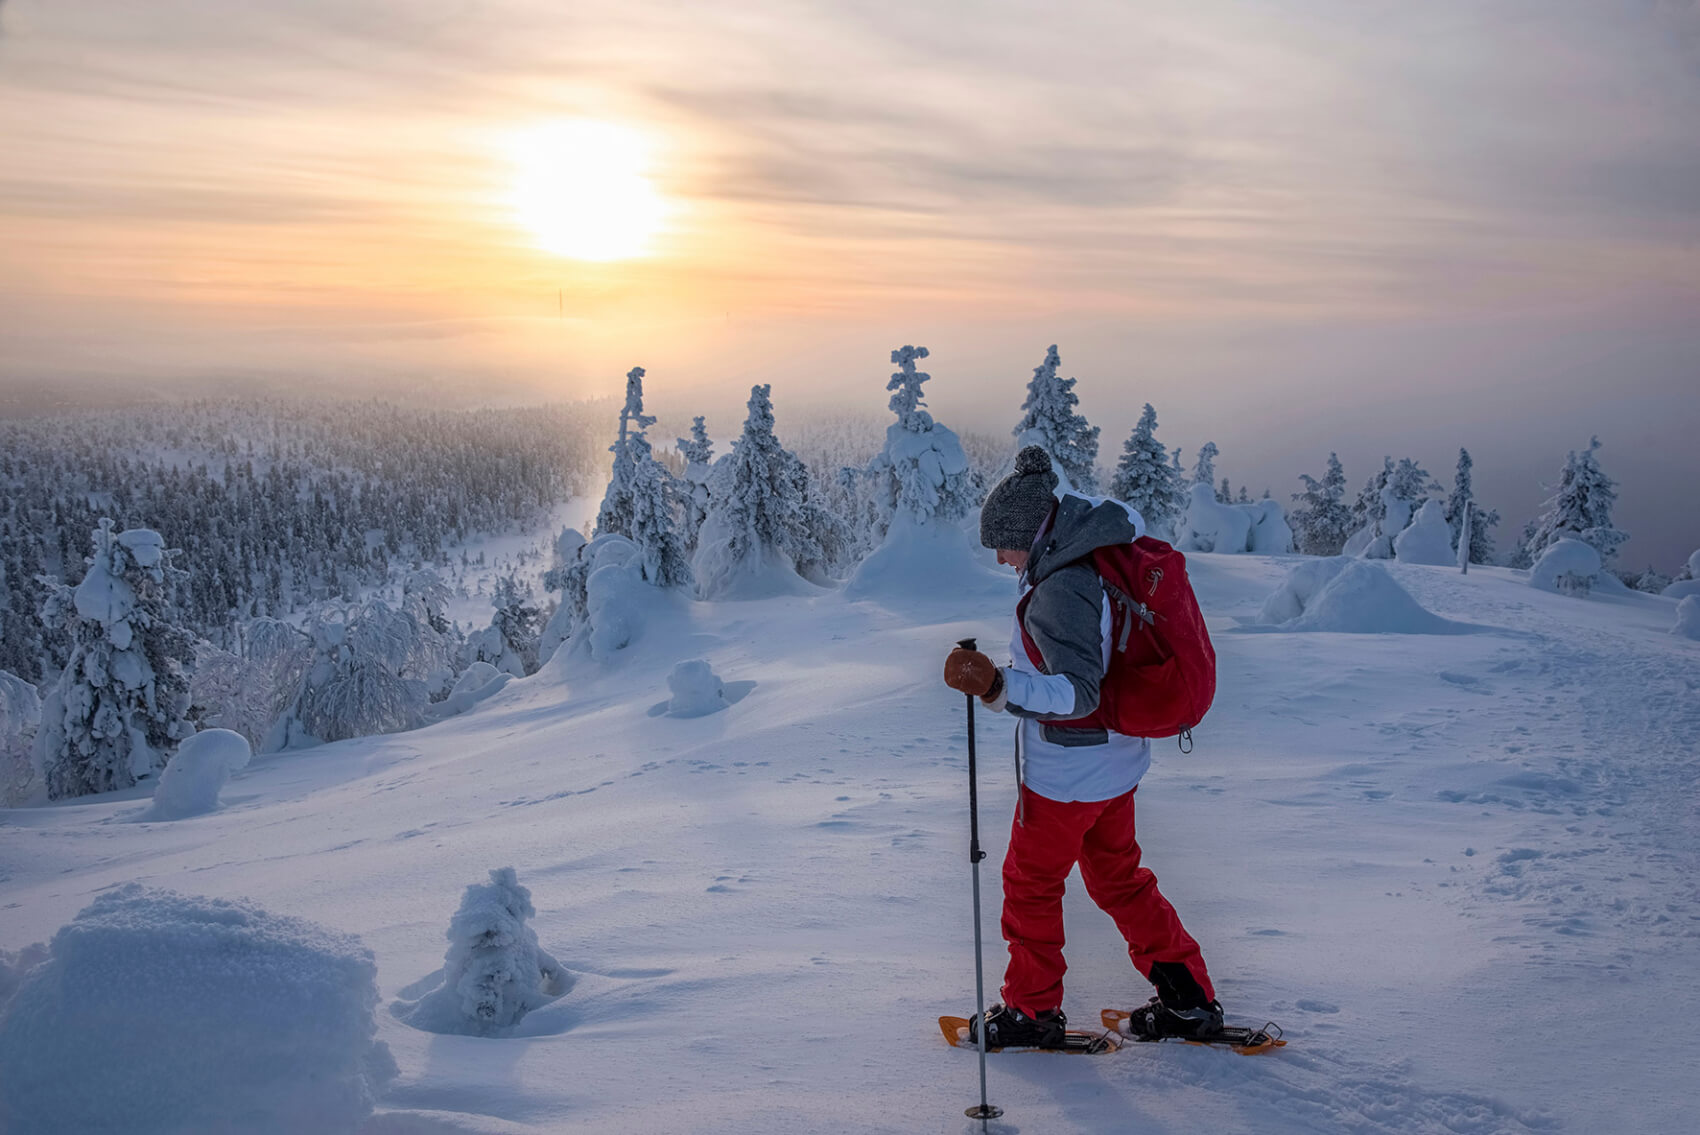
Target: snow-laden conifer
698	452
1204	469
922	473
1580	508
121	704
1482	521
1050	421
1322	522
640	503
1145	479
763	520
494	972
20	717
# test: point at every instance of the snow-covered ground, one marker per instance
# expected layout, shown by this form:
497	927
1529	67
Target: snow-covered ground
1460	870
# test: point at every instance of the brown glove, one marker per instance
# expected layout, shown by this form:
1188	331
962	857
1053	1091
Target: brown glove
969	671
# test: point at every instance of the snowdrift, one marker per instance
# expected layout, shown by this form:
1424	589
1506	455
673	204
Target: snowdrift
1688	618
1567	566
1348	596
922	559
161	1012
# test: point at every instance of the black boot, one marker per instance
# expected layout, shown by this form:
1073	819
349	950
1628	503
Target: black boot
1011	1028
1155	1020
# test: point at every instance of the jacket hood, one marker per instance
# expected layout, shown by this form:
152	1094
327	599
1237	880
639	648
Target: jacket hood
1080	526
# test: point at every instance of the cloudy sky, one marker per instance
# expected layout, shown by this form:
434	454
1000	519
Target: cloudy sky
1293	225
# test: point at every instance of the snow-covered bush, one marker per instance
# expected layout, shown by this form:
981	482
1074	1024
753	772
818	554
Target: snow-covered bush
494	972
1270	535
122	702
924	489
1688	618
641	501
696	690
197	773
20	716
1428	539
764	527
1209	526
1145	479
477	682
1580	508
1322	522
158	1013
1567	566
365	676
1687	581
1049	420
1344	595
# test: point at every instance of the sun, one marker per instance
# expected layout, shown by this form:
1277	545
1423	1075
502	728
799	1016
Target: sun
582	190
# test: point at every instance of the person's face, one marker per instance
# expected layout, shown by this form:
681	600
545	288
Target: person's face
1016	560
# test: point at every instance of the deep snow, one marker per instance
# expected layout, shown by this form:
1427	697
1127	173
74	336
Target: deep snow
1459	870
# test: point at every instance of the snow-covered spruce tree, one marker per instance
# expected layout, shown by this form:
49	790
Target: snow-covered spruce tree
1580	508
1369	508
1322	522
20	718
122	703
494	972
1411	483
641	503
698	453
763	517
1145	479
1224	494
1522	555
1482	521
1204	469
922	472
517	623
1050	421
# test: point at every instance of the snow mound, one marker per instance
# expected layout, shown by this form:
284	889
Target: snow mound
924	559
1569	567
161	1012
196	774
1271	535
1209	526
477	682
13	966
1688	618
494	972
1428	540
697	690
1682	589
1349	596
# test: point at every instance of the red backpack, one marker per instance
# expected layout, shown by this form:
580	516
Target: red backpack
1162	674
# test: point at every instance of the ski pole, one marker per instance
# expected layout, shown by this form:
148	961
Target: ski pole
984	1111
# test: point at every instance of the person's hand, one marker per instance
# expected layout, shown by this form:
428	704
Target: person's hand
970	671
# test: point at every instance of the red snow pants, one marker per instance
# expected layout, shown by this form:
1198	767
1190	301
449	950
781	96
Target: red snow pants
1046	840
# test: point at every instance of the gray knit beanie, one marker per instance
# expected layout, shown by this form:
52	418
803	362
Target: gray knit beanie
1019	503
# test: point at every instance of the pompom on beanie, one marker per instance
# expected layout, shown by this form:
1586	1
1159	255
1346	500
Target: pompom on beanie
1019	504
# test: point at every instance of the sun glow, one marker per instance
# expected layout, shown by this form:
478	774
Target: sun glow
583	191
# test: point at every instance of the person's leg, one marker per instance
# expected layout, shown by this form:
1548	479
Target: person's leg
1044	842
1161	949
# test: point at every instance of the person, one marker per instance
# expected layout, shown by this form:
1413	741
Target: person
1076	802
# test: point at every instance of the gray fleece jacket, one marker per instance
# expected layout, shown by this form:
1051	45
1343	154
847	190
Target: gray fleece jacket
1068	616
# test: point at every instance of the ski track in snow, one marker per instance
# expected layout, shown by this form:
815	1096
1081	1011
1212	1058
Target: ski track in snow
1444	865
